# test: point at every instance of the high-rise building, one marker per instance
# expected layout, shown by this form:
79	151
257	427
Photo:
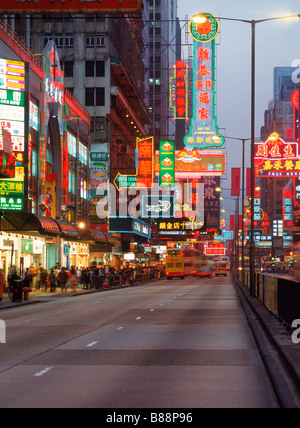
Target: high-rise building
279	118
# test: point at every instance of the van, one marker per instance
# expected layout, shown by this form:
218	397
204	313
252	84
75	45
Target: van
221	268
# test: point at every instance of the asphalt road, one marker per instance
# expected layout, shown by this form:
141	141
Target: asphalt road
173	344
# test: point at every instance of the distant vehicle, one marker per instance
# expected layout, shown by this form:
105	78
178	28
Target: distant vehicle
197	265
175	264
221	268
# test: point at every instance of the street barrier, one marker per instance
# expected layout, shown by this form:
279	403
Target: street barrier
280	295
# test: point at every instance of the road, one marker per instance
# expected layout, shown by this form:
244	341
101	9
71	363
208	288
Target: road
172	344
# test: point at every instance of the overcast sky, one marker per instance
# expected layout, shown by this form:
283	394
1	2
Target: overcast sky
277	44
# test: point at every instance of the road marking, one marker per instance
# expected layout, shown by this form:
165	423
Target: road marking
120	328
139	318
91	344
152	310
46	370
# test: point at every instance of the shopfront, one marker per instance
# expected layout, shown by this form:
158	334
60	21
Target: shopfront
9	248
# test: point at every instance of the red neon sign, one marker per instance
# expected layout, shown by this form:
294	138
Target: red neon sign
277	157
179	93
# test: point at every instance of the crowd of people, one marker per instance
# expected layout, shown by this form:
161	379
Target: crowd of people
39	278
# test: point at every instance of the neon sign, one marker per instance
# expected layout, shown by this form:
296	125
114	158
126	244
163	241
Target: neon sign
167	163
179	91
145	167
204	130
277	158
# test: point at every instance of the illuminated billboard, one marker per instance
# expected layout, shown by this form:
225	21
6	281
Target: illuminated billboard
179	91
12	135
204	131
277	158
144	166
75	6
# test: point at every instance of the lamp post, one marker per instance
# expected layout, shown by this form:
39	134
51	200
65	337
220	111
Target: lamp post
253	24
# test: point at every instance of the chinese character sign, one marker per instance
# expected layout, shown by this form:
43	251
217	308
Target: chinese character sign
277	158
179	91
204	131
12	135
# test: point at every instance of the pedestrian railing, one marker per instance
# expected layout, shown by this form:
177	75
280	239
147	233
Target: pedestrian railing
280	294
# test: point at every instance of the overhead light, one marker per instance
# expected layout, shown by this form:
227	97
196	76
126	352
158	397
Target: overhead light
199	19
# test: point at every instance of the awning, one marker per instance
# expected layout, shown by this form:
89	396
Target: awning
26	222
67	229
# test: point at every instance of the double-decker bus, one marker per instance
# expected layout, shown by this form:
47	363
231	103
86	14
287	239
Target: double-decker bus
175	264
195	264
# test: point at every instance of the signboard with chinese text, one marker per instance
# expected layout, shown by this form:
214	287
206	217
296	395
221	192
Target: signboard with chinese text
216	248
145	170
182	226
179	91
204	131
12	135
277	158
129	225
167	163
76	6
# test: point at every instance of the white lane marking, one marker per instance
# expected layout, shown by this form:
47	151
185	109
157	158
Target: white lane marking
152	310
120	328
91	344
138	318
46	370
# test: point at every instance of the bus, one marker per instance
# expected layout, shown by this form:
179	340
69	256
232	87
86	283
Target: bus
195	264
175	264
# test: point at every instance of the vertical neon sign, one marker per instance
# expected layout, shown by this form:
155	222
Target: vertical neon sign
179	91
204	133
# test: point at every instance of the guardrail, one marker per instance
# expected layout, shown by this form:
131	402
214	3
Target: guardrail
279	294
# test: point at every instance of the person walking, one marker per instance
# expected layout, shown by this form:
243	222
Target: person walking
63	278
52	280
73	279
44	279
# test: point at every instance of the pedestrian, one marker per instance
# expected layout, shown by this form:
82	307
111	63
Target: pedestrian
27	278
63	278
73	279
34	271
85	278
52	280
44	279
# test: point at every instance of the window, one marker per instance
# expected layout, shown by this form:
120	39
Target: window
69	40
68	67
91	93
59	40
47	38
72	144
94	40
93	68
72	182
100	68
89	41
89	97
100	96
89	69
